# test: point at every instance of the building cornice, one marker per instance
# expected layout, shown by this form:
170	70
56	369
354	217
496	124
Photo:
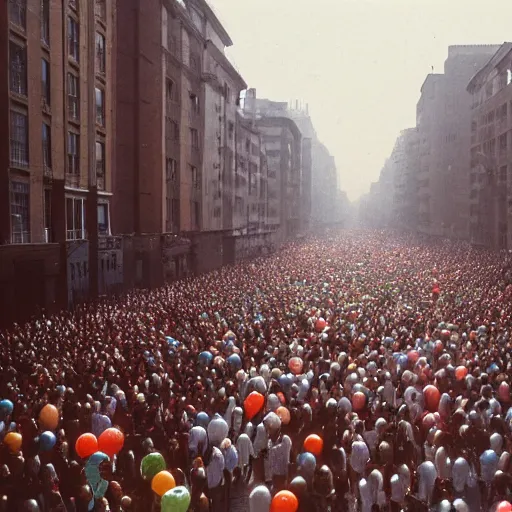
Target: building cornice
479	79
226	64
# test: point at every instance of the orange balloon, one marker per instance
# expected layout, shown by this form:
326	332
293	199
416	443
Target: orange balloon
461	372
358	401
86	445
13	441
284	501
281	397
284	415
314	444
163	482
49	417
432	397
253	404
111	441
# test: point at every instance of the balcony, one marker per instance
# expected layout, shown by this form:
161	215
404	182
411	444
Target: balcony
20	237
75	234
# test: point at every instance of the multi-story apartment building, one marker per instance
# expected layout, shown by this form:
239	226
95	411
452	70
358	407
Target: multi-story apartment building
443	122
491	151
57	100
404	161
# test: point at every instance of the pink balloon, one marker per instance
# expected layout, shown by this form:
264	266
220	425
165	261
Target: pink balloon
504	392
504	506
295	364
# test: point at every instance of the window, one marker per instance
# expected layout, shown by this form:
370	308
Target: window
195	214
47	147
227	93
19	139
47	199
239	205
100	107
171	168
100	9
73	39
217	212
194	103
73	97
20	212
509	76
195	62
18	68
503	173
173	212
45	82
194	138
503	143
502	112
18	12
73	153
171	91
45	22
194	176
100	53
75	218
231	130
100	159
172	129
103	219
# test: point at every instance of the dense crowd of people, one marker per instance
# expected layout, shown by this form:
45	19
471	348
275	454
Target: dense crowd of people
358	371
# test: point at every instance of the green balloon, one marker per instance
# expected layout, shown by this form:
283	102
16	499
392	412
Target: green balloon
176	500
151	465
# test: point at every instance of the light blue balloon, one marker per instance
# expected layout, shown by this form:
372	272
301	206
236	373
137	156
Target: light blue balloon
6	407
202	419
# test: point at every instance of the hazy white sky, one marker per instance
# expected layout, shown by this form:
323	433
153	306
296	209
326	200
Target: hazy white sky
358	63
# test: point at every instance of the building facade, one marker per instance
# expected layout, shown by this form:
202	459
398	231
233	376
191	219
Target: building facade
491	152
57	100
443	123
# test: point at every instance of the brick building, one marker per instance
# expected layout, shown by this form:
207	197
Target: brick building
57	102
491	151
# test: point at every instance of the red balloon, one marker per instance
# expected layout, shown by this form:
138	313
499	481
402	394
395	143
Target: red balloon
432	397
358	401
504	506
461	372
314	444
320	325
86	445
253	404
111	441
284	501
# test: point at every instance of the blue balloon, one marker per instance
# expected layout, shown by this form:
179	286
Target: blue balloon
306	459
235	361
47	441
205	357
284	381
202	419
6	407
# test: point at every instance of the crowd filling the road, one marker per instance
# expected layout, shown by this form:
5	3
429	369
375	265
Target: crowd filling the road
356	371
